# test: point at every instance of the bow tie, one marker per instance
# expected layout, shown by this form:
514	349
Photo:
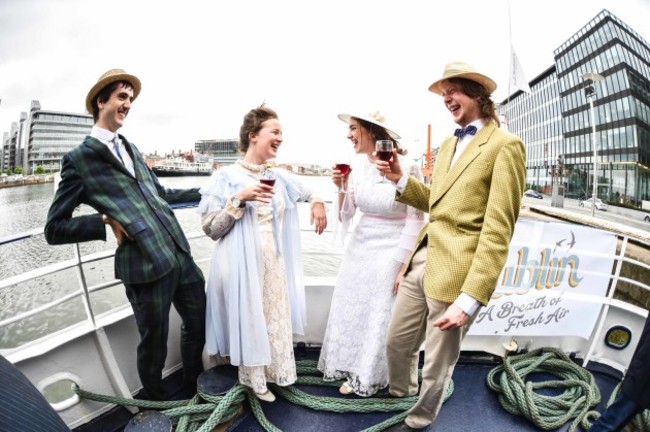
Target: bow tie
469	130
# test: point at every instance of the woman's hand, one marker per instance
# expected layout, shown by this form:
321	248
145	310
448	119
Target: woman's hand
340	180
318	217
259	192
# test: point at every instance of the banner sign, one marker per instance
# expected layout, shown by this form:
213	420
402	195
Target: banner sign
550	265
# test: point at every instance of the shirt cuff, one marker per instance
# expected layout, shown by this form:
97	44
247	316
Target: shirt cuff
401	183
467	303
236	212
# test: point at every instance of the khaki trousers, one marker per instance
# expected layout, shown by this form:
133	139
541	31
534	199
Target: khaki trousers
412	324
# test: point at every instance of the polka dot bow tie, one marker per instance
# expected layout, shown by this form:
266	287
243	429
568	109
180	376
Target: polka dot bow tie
469	130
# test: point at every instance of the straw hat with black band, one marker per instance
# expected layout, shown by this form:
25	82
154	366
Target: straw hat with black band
110	77
346	118
463	70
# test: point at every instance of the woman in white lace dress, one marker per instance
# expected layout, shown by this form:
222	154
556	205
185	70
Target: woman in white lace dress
354	347
255	296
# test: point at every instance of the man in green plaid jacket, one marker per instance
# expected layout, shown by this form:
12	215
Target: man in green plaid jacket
153	257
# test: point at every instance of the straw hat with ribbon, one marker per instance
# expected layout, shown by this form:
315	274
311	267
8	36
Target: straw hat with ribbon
463	70
374	118
108	78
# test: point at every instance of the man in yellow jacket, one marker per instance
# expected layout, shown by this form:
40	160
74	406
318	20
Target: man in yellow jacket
473	203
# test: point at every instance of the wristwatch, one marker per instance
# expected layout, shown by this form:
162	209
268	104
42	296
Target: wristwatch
236	202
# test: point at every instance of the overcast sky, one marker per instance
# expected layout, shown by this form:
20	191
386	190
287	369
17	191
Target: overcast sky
204	64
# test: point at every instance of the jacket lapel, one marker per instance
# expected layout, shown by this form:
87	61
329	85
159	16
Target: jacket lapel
105	152
472	151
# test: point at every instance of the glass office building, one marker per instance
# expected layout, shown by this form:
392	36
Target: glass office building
222	151
42	138
554	120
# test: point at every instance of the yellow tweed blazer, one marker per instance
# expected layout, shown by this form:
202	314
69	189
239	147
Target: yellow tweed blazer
472	213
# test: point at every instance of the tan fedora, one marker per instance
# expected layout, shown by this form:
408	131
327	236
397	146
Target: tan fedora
108	78
374	118
463	70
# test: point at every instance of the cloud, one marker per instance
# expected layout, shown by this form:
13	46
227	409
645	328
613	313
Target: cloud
204	64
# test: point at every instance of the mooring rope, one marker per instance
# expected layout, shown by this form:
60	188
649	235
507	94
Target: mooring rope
196	416
579	392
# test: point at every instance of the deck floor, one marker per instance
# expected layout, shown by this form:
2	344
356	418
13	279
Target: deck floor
471	407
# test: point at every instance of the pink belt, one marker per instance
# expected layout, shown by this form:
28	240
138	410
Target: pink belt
384	217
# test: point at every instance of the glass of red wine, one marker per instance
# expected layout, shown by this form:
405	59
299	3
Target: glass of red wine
384	151
344	168
267	177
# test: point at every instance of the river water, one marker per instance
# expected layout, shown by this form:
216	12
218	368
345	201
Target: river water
24	208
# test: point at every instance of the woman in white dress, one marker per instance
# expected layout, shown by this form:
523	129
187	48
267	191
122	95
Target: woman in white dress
354	347
255	295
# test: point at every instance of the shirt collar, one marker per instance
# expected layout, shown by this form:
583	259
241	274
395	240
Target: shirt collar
104	135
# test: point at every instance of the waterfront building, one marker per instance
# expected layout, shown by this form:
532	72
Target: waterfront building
221	151
9	140
42	137
554	119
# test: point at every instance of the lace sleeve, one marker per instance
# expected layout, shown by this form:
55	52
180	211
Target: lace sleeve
217	224
414	223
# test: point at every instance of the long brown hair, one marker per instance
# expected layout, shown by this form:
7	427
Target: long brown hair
379	133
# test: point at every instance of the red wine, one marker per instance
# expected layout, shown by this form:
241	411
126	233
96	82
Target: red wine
384	155
344	168
267	181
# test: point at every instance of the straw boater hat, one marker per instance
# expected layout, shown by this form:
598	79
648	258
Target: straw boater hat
108	78
374	118
463	70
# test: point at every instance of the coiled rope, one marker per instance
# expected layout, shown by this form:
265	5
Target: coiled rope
196	416
518	396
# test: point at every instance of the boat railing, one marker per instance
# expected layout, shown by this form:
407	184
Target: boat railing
84	290
93	320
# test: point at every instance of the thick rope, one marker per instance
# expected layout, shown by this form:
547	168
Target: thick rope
519	397
194	416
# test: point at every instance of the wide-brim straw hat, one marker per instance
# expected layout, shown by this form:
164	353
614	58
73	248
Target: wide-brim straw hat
371	119
108	78
463	70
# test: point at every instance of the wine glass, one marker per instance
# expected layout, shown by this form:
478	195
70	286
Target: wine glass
267	177
384	151
343	165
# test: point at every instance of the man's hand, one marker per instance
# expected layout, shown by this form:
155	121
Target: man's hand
453	317
391	169
118	229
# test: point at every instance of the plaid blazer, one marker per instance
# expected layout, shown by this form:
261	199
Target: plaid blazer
472	210
92	175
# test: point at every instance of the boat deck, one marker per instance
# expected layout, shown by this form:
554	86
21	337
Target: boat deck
473	406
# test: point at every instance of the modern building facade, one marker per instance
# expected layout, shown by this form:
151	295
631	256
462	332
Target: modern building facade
554	120
221	151
42	137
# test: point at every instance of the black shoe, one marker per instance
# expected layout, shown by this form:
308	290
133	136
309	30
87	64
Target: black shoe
384	393
402	427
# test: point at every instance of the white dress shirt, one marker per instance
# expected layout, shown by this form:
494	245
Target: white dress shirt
106	137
